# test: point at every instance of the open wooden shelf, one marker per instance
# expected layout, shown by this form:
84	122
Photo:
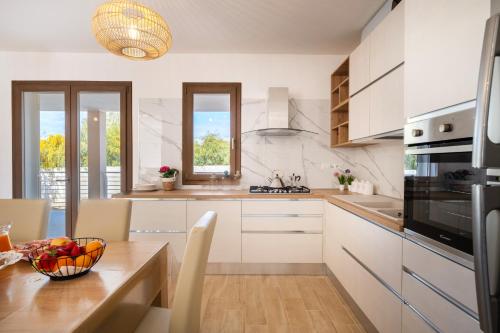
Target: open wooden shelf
340	105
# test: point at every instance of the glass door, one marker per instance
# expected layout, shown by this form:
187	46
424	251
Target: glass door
44	143
71	142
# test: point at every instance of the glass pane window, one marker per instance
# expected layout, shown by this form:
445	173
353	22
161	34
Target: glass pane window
44	154
99	144
211	133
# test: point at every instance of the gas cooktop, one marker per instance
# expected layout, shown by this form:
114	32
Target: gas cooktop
280	190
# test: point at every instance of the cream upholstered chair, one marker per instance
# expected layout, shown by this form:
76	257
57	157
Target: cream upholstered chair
186	308
107	219
29	218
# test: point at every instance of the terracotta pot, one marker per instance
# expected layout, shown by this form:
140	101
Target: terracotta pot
168	183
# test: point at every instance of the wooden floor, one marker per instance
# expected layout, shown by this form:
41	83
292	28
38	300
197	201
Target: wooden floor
272	303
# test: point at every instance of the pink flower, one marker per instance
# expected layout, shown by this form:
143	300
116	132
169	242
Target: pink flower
164	168
336	173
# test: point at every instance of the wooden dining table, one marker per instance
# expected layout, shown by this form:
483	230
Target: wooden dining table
112	297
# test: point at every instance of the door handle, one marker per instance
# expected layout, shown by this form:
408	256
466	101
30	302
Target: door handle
63	180
486	241
486	153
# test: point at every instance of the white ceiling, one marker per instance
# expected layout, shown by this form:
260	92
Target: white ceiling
198	26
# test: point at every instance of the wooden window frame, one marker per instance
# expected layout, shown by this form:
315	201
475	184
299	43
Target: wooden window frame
72	118
188	90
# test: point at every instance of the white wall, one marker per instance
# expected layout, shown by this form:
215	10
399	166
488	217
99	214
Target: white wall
306	76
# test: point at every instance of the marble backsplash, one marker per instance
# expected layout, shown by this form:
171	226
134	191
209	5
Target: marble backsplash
309	155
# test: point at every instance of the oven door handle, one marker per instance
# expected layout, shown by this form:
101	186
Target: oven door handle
486	140
438	150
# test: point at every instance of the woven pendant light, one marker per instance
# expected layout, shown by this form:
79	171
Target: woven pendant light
130	29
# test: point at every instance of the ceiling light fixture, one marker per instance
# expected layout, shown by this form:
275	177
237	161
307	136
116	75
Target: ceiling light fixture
130	29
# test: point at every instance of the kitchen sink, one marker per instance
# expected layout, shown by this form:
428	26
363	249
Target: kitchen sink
380	204
394	213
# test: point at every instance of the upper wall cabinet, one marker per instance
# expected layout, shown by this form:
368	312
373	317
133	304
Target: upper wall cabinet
443	41
387	43
359	67
381	51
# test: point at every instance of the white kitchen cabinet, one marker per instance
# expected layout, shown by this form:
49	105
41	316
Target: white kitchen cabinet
450	277
444	315
443	41
282	223
158	215
387	43
226	243
282	248
347	236
387	103
163	220
359	115
359	67
377	248
275	207
413	323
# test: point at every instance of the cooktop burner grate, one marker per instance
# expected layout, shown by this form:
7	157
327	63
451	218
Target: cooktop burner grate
282	190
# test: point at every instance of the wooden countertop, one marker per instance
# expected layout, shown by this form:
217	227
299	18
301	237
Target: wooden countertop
116	293
331	195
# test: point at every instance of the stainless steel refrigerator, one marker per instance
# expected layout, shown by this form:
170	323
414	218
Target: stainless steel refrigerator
486	196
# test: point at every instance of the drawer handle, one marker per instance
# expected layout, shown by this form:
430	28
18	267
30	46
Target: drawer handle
372	273
441	293
156	231
427	321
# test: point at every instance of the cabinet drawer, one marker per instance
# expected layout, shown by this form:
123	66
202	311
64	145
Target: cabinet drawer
412	323
177	241
380	250
453	279
162	215
282	207
380	305
282	248
443	314
226	242
282	223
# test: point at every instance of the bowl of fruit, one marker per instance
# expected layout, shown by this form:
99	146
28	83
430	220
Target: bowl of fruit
65	258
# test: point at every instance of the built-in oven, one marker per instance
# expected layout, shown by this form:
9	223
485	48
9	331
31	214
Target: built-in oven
438	180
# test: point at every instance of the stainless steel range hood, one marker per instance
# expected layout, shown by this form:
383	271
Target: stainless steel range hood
277	115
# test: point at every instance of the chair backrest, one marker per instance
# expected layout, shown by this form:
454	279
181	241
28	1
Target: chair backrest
108	219
29	218
186	308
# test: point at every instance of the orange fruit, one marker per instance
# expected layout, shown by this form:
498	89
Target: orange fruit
61	241
94	249
83	261
63	261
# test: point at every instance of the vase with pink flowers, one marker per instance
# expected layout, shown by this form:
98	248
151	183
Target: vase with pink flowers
168	177
344	177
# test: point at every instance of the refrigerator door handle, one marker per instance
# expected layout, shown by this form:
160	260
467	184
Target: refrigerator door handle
486	153
486	239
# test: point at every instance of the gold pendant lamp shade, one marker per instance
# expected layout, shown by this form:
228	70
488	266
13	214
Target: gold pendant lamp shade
130	29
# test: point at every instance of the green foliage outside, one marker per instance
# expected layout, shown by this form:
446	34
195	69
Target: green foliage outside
52	152
211	150
52	147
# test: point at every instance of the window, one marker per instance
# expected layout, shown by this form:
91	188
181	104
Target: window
211	133
72	140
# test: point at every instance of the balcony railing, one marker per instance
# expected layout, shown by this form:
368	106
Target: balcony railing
53	185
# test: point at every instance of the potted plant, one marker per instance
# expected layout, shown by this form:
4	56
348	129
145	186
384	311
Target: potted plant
344	177
168	176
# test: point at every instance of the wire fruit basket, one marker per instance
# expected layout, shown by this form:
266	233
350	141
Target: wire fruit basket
64	262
